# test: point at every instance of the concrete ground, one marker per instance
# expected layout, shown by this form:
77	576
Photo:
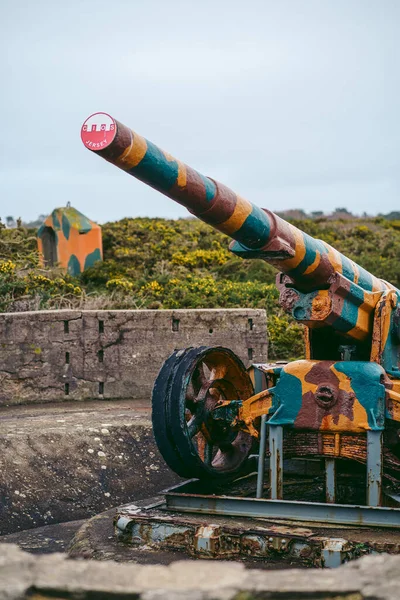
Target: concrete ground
22	418
69	461
94	538
44	540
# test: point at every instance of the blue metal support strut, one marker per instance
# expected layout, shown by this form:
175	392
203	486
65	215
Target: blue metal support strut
374	468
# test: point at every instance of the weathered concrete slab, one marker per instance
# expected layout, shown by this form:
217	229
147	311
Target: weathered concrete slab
25	575
76	355
66	462
95	539
46	539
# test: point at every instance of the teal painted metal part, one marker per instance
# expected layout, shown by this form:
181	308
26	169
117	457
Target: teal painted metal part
351	303
312	248
227	413
294	407
391	352
302	308
287	400
245	252
159	172
255	231
351	300
366	381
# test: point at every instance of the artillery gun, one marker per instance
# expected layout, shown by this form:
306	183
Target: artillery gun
341	402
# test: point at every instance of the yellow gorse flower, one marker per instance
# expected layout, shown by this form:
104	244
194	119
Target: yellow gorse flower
7	266
119	283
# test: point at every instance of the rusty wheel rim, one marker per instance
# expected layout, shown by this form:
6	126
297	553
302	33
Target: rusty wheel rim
217	445
211	447
191	440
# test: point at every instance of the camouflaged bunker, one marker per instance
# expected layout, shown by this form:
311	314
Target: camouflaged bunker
70	240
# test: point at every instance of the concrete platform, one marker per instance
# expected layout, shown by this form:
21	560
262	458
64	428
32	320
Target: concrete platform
145	532
97	540
44	540
62	462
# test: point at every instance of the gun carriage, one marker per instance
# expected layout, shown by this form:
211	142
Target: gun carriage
341	402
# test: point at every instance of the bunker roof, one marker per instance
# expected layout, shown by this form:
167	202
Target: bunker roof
67	218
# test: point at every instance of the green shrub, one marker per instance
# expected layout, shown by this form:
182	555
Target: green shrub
160	263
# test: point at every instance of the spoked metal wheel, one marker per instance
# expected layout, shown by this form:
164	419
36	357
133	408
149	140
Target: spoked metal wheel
193	440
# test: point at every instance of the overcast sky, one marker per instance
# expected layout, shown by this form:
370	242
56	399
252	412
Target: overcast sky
292	103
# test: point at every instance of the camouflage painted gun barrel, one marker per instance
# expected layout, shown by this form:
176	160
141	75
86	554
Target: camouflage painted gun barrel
257	230
347	391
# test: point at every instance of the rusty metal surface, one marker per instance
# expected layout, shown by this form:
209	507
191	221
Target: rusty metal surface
285	509
276	461
238	499
219	537
330	480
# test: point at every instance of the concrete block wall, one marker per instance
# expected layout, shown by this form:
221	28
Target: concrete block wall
65	355
25	576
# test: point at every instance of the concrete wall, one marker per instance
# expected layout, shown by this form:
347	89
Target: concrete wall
25	576
75	355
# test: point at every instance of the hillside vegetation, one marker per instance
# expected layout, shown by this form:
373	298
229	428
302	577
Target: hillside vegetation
159	263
